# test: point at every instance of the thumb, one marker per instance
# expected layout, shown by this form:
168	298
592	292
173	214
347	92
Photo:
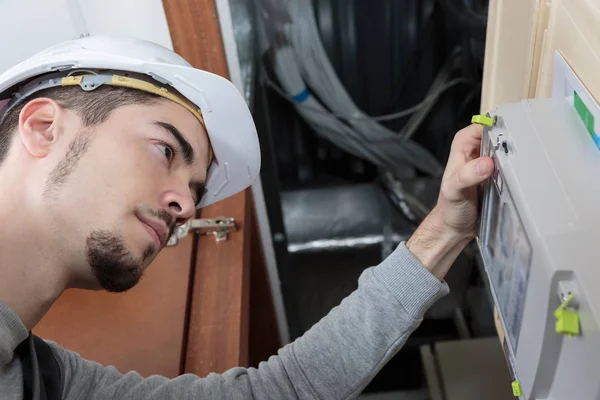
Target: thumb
474	172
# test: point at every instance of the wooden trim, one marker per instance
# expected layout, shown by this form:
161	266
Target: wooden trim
219	305
196	34
217	337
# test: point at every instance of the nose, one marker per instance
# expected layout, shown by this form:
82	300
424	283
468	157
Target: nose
180	203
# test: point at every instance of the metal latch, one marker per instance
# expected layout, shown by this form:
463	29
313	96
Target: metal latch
501	142
220	227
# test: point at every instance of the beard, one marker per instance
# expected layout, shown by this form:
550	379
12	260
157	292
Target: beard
115	268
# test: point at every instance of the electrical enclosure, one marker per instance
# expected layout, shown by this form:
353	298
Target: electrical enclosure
540	225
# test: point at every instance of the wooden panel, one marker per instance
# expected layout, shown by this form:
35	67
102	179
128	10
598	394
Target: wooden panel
196	34
139	330
219	307
510	41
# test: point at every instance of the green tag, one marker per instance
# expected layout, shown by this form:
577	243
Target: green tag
516	387
567	323
584	113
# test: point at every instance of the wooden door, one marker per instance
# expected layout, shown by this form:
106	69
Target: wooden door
190	311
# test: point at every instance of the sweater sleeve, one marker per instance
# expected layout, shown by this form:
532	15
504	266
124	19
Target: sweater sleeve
335	359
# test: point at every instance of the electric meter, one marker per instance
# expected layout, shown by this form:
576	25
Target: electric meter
539	232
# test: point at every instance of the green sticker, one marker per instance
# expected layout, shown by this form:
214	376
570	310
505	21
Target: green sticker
584	113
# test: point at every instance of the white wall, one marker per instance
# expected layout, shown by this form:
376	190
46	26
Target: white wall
28	26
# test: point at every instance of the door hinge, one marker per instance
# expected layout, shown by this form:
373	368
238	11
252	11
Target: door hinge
219	227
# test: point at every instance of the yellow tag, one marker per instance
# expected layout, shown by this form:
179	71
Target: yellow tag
567	322
483	120
516	387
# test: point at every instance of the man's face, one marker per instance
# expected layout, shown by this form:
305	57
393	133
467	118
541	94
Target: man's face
120	188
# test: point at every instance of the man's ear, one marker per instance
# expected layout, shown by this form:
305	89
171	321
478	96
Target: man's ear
37	125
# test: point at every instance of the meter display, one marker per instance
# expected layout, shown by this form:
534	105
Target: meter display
506	252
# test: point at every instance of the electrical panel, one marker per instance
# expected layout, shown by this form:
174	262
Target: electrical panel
539	232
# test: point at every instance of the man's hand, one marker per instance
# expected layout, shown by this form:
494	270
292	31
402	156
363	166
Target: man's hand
451	225
458	201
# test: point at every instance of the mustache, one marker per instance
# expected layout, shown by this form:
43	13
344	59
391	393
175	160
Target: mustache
165	217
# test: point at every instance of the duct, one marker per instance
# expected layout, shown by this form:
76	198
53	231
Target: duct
342	217
359	217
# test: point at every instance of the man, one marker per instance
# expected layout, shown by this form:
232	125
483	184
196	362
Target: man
106	145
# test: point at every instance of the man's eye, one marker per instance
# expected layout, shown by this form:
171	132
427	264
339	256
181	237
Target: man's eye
166	150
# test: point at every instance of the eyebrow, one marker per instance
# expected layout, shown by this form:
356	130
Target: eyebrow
186	148
187	151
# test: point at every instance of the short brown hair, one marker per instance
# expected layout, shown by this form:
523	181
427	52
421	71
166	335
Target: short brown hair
93	107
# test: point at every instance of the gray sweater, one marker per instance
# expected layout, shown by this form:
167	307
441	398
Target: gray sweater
335	359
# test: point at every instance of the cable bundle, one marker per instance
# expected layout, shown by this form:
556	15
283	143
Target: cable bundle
309	80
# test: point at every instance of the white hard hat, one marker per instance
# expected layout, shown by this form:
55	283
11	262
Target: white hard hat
150	67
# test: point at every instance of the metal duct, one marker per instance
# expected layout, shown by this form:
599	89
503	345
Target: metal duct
341	217
356	218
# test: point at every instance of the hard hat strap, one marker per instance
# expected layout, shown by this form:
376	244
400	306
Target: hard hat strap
90	80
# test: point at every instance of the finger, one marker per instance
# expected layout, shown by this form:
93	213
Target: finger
468	135
466	145
472	173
